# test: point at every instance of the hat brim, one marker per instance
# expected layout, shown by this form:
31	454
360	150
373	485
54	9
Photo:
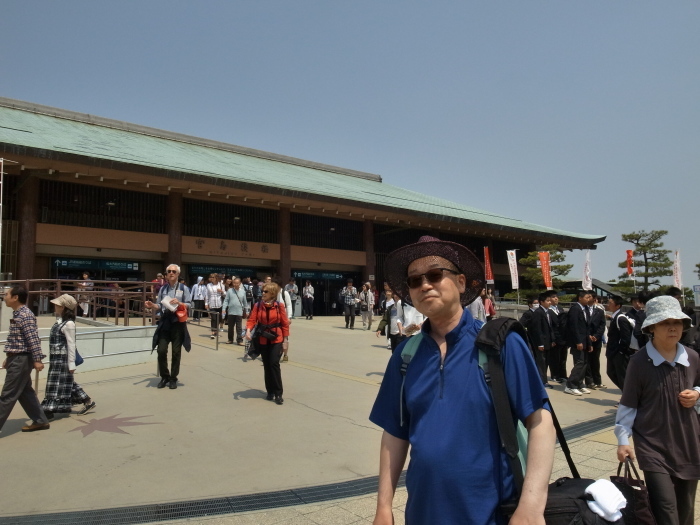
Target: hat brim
651	321
397	263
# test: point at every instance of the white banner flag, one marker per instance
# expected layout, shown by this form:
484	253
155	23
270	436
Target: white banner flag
512	263
587	282
677	278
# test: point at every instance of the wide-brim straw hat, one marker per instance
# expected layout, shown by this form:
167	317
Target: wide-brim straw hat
66	301
661	308
397	262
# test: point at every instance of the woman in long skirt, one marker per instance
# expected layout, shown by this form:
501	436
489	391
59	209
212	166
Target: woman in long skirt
62	392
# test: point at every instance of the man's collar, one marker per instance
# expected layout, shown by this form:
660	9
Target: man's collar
656	358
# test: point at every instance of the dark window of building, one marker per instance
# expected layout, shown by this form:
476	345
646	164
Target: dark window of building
326	232
101	207
388	238
10	186
219	220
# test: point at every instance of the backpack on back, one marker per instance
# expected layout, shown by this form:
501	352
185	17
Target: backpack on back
634	344
566	498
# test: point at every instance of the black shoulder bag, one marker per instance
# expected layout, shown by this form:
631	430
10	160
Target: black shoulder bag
566	497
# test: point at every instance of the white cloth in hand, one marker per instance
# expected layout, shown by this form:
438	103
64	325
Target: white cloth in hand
608	500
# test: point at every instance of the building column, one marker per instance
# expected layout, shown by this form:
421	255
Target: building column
174	227
284	237
27	215
370	260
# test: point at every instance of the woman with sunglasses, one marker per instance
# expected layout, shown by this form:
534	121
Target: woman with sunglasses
271	337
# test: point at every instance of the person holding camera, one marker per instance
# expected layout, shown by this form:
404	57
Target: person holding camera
268	329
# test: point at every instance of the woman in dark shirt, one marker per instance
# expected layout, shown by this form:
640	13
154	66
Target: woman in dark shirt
660	407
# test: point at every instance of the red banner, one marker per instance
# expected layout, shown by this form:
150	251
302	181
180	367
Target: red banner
487	266
630	262
546	270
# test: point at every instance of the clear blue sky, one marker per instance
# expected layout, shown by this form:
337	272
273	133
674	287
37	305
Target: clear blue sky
579	115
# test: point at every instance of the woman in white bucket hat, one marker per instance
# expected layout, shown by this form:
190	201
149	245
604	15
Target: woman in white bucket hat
660	407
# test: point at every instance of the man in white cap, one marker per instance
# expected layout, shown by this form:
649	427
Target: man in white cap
459	472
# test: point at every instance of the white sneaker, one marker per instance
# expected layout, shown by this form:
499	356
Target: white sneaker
572	391
584	391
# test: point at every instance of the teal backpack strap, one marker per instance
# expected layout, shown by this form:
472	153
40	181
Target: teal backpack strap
407	353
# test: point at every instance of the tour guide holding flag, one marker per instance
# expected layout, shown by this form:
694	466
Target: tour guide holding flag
459	473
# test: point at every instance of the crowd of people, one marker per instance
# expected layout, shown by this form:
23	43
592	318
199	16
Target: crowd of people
435	293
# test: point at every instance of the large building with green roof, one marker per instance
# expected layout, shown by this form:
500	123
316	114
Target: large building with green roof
121	201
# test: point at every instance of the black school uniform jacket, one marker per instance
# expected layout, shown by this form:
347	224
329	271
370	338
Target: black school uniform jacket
619	338
577	328
541	332
597	325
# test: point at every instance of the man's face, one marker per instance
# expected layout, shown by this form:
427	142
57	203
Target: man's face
554	300
349	284
585	299
545	303
610	306
535	305
637	305
236	284
591	301
268	279
172	274
440	298
11	300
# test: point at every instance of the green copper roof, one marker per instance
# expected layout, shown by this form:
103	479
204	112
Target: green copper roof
44	128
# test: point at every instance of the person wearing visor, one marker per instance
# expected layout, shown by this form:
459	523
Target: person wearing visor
459	472
659	407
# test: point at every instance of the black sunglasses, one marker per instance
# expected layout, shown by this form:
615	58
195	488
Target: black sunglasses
171	271
433	276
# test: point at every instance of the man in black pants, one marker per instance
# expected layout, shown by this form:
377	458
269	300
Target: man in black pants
559	354
578	330
349	296
170	330
542	336
593	378
619	336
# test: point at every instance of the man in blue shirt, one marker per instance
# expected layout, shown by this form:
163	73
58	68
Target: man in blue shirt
458	471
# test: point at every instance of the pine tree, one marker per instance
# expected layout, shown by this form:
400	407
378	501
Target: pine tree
534	274
651	261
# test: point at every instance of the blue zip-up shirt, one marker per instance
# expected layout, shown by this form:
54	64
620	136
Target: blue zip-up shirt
458	472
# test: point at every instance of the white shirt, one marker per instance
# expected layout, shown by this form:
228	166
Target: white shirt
214	296
408	315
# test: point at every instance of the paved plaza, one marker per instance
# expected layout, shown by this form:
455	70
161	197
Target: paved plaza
217	437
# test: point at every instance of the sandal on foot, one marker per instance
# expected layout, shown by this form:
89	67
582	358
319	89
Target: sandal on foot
88	406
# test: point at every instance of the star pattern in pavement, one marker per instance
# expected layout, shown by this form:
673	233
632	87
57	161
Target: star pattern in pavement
111	424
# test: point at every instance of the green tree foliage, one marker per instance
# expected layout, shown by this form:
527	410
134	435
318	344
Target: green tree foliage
534	274
697	269
651	261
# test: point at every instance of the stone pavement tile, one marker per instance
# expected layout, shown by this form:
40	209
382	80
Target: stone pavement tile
602	465
308	509
363	507
333	516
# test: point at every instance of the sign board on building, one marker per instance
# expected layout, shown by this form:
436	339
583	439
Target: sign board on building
72	263
371	277
696	289
206	269
330	276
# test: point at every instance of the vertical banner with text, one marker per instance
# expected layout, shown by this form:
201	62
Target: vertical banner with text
546	270
487	266
587	282
513	265
677	277
630	262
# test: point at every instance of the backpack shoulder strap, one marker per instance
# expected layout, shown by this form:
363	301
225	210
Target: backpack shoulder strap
490	342
407	353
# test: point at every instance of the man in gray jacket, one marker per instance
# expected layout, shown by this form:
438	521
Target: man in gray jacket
236	307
